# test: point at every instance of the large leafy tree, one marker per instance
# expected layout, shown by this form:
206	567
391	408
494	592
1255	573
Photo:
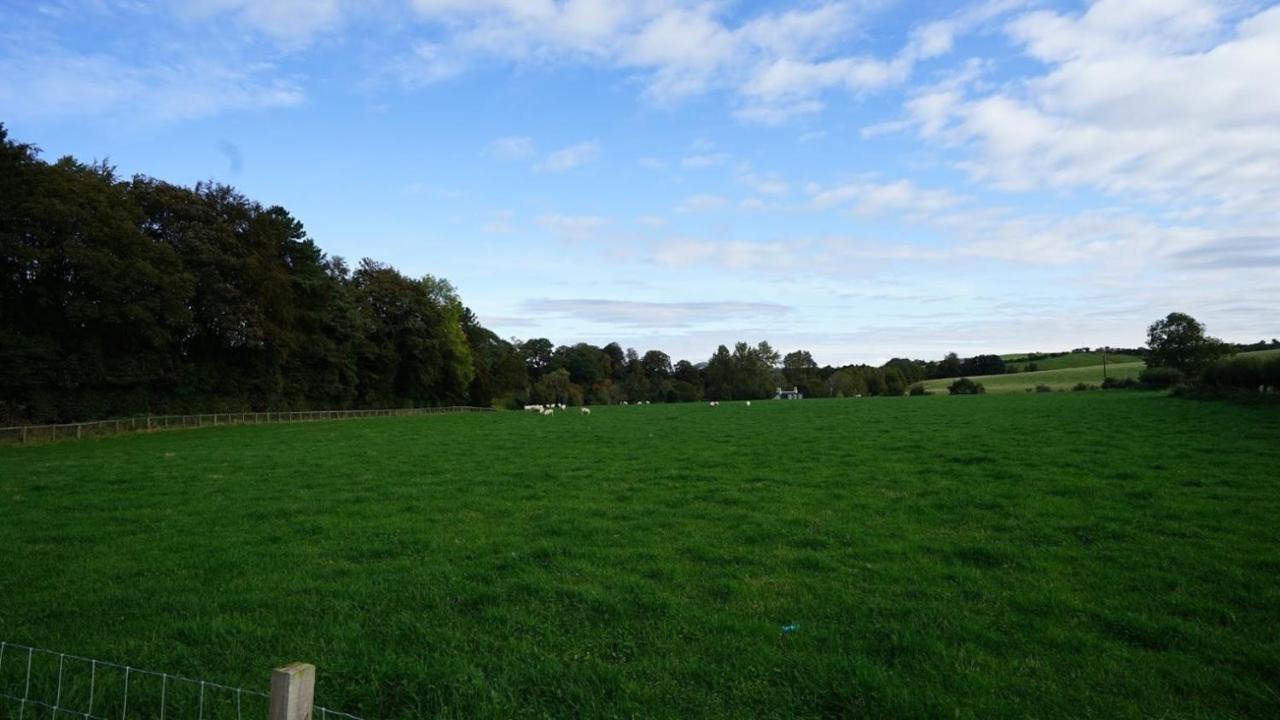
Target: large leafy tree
801	371
1179	341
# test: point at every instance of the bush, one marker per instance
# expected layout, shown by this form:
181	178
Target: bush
965	386
1032	367
1240	373
1161	377
918	389
1119	383
1271	373
1083	387
1043	388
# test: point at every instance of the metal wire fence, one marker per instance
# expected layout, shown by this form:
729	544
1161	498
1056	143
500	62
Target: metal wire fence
19	434
40	684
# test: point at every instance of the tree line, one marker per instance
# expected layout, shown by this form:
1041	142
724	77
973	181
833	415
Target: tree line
125	296
133	295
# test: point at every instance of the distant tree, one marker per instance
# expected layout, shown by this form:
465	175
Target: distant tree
537	354
500	372
912	371
894	383
555	387
719	375
752	371
982	365
949	367
965	386
847	382
656	364
617	360
799	370
686	371
1179	341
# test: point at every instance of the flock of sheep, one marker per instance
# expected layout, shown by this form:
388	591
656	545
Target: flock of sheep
550	409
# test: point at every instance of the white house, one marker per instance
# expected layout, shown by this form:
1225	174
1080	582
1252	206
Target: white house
792	394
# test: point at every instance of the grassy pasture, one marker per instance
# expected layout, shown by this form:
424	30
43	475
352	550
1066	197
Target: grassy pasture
1063	379
1107	555
1074	360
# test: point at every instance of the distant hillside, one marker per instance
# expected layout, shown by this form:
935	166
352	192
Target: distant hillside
1065	371
1061	379
1069	360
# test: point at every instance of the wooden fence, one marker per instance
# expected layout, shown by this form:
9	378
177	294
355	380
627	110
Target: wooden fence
20	434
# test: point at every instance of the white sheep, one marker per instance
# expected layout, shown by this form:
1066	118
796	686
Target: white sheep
563	406
586	411
748	403
624	402
533	408
548	411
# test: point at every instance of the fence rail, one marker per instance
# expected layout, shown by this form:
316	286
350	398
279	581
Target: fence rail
20	434
38	683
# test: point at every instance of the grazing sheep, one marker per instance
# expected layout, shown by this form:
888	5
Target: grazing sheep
586	411
562	406
624	402
534	408
748	403
548	411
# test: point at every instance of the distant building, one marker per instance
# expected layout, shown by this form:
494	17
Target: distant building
792	394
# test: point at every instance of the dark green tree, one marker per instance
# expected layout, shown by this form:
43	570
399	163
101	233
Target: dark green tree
1178	341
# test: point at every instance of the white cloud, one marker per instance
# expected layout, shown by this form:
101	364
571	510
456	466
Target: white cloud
771	184
573	228
1165	100
500	223
512	148
777	63
56	82
701	202
428	63
655	314
873	198
707	160
785	256
570	157
291	23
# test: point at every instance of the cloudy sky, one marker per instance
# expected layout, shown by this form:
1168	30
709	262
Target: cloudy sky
860	178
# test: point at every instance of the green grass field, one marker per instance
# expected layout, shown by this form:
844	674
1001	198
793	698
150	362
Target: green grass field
1063	379
1105	555
1065	372
1072	360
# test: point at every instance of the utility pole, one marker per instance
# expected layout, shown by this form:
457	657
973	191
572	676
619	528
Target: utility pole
1104	362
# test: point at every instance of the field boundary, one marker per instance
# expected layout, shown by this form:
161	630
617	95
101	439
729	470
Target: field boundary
99	689
25	434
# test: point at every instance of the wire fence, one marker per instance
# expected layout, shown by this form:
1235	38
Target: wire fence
21	434
40	684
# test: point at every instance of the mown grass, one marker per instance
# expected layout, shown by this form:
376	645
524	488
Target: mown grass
1068	555
1071	360
1063	379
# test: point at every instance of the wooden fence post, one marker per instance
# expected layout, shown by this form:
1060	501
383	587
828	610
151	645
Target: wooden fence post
293	691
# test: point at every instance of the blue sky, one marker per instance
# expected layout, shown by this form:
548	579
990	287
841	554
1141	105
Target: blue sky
859	178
